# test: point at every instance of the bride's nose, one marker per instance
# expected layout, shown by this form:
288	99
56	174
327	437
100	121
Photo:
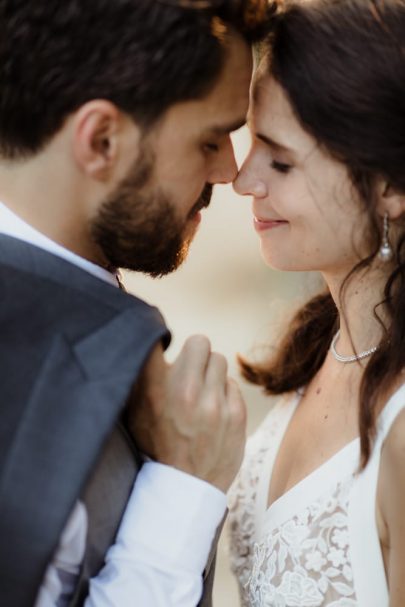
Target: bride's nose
248	183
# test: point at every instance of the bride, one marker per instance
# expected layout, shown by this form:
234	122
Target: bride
317	512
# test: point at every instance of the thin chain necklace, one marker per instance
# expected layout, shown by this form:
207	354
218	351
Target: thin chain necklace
349	359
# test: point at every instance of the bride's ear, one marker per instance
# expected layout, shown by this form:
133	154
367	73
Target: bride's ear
390	200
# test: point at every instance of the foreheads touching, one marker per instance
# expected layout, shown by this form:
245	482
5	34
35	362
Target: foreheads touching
139	55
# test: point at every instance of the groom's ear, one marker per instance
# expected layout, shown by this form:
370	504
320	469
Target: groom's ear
390	200
104	138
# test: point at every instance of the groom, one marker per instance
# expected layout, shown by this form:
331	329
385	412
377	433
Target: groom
115	122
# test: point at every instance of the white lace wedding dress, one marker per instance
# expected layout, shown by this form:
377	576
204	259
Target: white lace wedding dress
317	545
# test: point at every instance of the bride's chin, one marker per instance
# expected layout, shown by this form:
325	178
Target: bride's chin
276	261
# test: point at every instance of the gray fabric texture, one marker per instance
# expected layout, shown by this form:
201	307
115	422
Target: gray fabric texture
71	348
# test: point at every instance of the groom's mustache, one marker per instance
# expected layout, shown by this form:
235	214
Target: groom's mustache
203	200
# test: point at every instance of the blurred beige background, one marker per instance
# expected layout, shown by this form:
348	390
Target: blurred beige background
225	291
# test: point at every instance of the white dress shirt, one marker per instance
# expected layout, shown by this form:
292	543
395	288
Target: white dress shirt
168	527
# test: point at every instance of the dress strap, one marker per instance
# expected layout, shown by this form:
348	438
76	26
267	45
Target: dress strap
370	582
272	440
388	415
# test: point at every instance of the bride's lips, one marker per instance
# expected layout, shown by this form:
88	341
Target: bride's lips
262	225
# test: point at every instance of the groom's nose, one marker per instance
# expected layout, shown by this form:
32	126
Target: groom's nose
223	167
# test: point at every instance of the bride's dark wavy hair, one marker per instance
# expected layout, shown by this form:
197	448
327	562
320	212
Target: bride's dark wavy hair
342	66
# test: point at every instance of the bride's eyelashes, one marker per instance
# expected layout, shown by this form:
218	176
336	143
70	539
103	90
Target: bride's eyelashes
281	167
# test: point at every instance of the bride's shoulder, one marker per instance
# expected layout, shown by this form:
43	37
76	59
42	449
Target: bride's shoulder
391	496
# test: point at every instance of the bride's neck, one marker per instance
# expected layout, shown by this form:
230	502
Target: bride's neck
359	328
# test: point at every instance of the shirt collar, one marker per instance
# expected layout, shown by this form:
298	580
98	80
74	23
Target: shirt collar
12	225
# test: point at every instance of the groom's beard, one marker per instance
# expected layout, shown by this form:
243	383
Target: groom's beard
138	227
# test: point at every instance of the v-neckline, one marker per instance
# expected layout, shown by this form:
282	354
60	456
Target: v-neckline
326	475
338	467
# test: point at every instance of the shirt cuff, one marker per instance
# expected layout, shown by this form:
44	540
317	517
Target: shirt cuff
171	518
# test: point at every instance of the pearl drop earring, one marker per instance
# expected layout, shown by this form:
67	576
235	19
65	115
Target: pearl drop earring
386	253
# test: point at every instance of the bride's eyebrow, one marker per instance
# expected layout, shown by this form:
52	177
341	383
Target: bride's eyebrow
272	143
275	146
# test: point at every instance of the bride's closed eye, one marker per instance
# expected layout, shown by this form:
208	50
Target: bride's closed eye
281	167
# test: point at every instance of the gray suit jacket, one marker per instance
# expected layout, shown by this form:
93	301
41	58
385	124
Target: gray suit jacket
71	348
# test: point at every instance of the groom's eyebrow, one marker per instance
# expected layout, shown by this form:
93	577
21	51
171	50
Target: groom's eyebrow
226	129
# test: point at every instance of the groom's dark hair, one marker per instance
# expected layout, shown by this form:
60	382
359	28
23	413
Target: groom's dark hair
142	55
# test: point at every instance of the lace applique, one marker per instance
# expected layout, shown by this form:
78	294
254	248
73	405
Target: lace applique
306	561
303	563
241	502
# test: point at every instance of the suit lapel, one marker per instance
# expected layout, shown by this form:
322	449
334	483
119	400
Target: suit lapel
69	410
59	437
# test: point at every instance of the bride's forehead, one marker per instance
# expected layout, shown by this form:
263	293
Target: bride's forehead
270	106
268	94
270	110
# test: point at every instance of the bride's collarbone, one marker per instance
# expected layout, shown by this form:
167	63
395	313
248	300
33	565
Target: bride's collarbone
322	425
